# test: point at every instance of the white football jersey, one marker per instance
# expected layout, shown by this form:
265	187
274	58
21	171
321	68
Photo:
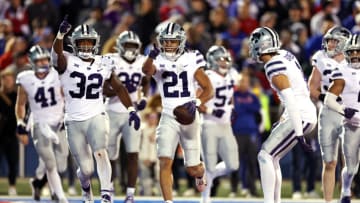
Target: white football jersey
224	91
286	63
130	75
325	66
175	79
83	86
351	92
44	96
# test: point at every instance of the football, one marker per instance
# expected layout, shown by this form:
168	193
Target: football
183	116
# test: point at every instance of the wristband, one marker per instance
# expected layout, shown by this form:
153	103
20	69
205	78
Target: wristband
60	36
209	110
20	121
131	109
198	102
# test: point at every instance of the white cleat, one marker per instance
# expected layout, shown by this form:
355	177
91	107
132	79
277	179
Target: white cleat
87	195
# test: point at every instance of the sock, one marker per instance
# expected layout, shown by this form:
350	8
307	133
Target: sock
346	182
267	176
103	169
130	191
168	201
205	195
278	180
55	183
84	180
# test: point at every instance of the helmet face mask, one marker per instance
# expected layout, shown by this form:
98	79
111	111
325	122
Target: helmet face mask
263	40
171	41
352	51
334	40
128	45
85	41
219	59
39	59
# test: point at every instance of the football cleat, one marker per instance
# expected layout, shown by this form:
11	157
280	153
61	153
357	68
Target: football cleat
36	190
345	199
87	195
129	199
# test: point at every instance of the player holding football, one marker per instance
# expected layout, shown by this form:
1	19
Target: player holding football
330	122
217	138
299	118
176	70
41	88
83	75
128	62
346	82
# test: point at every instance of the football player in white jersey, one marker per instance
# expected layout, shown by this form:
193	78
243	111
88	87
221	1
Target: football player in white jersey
176	70
42	89
330	122
286	77
83	75
128	62
345	82
217	137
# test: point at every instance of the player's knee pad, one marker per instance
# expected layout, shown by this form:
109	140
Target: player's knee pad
86	167
264	157
113	151
61	164
196	171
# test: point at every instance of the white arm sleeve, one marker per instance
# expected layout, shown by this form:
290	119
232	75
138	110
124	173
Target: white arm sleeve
293	111
330	101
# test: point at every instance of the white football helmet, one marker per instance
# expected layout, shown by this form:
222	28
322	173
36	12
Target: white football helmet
85	32
219	59
128	37
171	32
352	51
36	53
340	34
263	40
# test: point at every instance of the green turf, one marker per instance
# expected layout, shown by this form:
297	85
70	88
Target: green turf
23	187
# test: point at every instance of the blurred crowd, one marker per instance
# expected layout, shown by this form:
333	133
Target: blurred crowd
300	24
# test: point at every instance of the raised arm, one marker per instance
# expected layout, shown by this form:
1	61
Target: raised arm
57	48
148	68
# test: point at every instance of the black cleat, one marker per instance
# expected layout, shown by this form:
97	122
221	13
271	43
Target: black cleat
36	190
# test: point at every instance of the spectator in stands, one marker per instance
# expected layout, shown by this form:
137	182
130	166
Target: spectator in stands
17	14
9	145
246	120
170	8
18	45
43	11
318	19
6	35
